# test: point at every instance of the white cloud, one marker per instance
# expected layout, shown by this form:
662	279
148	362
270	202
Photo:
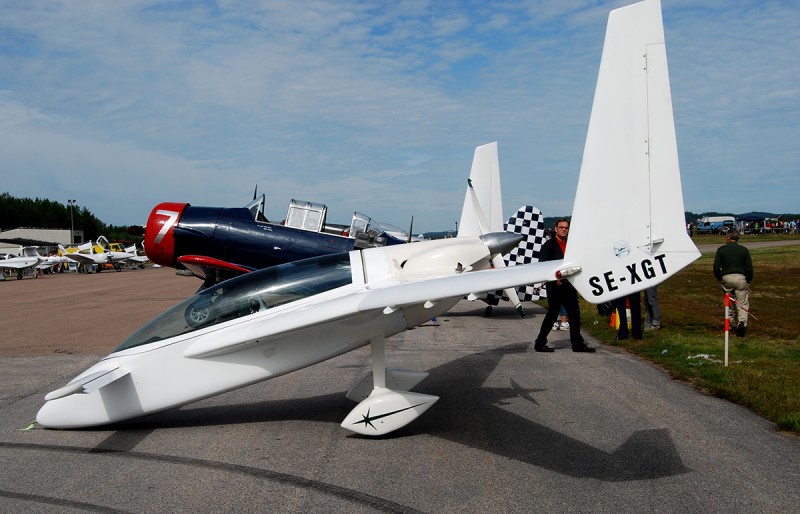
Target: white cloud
376	107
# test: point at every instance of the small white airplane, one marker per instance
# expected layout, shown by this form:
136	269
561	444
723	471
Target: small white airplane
49	261
27	260
137	260
117	259
271	322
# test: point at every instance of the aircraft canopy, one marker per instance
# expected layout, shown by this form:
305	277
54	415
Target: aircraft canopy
245	295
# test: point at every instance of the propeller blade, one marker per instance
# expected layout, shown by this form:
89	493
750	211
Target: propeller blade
513	297
497	260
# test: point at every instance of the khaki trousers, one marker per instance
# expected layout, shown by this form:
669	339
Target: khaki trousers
737	286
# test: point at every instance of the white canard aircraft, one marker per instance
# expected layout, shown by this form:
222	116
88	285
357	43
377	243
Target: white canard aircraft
271	322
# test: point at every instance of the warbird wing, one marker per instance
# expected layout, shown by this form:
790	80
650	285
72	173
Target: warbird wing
270	322
206	268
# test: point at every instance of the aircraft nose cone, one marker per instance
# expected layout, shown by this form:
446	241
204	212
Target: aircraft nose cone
501	242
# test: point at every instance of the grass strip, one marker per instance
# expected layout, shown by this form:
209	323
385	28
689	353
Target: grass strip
764	366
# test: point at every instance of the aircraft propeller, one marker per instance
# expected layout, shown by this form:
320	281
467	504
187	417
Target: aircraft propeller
497	260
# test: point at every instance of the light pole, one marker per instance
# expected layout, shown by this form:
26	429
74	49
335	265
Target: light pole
71	223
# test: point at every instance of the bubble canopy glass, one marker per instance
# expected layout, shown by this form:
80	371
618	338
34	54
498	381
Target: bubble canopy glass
246	294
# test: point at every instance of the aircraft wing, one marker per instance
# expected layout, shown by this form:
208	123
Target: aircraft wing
118	256
52	260
390	295
205	267
331	310
83	258
454	286
19	264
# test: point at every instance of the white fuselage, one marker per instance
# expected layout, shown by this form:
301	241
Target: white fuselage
263	345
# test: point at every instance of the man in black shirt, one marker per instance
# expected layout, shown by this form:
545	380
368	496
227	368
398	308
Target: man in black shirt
560	292
733	267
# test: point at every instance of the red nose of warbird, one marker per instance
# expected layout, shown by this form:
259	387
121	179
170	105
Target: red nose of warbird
159	243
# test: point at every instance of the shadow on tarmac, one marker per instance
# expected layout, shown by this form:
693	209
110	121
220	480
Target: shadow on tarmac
468	414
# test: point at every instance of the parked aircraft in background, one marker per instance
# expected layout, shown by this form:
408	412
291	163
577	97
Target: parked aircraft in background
215	243
137	259
99	254
52	261
27	260
437	234
268	323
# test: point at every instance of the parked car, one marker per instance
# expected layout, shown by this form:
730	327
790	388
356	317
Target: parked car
715	224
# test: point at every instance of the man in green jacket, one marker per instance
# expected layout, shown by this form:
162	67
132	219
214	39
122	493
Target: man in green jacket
733	267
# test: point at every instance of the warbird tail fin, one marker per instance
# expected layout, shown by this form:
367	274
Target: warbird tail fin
630	178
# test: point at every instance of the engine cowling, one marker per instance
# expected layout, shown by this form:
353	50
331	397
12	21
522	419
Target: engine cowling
159	237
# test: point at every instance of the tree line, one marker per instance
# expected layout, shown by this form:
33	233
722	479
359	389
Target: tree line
43	213
690	217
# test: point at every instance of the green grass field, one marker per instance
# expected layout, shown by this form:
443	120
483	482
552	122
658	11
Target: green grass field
764	367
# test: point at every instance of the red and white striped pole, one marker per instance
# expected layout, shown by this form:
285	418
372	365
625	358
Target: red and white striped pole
727	324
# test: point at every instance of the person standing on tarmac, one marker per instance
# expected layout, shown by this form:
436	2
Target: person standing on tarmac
560	292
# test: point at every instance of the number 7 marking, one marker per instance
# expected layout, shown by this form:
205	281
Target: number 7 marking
172	216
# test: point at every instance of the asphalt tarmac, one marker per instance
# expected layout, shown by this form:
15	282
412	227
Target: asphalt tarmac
513	431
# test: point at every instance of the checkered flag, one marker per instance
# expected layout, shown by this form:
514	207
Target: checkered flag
529	222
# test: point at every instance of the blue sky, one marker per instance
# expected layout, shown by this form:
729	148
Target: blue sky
374	106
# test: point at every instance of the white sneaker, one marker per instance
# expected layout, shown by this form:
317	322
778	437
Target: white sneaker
556	325
565	325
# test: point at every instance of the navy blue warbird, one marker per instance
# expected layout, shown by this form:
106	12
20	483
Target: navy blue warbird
217	243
